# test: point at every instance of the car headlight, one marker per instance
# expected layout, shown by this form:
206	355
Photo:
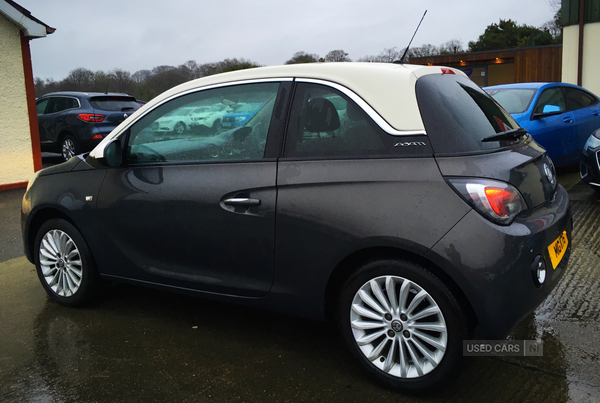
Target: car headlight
593	141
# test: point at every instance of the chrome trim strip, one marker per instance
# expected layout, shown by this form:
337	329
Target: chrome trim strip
594	183
381	122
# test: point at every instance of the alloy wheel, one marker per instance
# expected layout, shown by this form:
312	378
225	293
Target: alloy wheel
398	327
68	149
60	263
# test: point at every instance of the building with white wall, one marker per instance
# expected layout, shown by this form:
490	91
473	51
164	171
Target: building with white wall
581	43
20	154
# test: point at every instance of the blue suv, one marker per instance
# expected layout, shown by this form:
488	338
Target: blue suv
75	122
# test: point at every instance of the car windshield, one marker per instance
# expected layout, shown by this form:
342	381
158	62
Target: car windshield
514	100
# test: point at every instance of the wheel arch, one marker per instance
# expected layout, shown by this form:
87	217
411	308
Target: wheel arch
354	261
36	222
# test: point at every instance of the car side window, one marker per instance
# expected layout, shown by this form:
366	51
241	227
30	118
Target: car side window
551	96
326	123
577	99
41	106
59	104
226	123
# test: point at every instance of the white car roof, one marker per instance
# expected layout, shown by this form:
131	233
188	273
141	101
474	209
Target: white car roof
387	87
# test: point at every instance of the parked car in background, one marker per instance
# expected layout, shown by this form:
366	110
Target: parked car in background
241	113
71	123
176	122
400	215
560	117
209	117
590	161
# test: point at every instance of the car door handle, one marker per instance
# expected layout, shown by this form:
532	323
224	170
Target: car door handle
567	120
596	113
241	201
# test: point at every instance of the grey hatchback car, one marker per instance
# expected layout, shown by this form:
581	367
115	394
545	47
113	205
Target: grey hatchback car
74	122
401	202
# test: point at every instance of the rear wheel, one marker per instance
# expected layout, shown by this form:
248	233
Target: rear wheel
64	264
403	324
68	147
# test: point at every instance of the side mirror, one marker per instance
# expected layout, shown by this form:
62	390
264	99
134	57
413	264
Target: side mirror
113	154
549	110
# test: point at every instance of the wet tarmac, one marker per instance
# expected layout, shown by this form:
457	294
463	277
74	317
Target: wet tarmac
139	345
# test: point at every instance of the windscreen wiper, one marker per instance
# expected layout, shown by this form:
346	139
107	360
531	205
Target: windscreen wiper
507	135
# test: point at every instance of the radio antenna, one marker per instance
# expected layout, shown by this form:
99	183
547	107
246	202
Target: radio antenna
401	61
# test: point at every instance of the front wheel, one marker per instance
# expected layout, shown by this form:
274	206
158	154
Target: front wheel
64	264
403	324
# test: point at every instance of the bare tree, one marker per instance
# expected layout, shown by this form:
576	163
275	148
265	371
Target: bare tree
303	57
193	68
424	50
368	59
79	79
337	56
141	76
555	5
122	81
453	46
389	55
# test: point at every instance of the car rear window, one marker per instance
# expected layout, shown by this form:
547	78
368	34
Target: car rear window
458	115
114	104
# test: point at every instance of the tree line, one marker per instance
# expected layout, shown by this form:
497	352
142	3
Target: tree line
146	84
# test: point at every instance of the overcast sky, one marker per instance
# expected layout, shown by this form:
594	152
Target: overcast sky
141	34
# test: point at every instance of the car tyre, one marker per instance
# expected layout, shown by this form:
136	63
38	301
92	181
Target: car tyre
68	147
179	128
64	263
403	325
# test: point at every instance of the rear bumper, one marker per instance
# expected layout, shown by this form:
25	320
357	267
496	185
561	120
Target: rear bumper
495	271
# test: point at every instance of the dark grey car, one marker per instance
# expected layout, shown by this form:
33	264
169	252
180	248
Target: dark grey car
401	202
71	123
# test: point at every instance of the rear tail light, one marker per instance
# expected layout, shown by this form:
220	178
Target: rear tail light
91	117
497	201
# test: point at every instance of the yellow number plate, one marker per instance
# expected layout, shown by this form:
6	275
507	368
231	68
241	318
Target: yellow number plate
557	249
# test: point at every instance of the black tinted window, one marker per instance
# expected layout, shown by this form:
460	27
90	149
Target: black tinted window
326	123
114	104
457	115
577	99
59	104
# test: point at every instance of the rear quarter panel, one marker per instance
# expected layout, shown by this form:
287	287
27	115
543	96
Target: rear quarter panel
328	209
